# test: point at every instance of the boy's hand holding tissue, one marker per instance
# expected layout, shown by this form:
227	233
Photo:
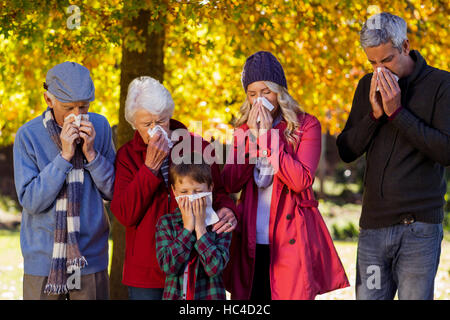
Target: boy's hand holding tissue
199	210
187	215
157	150
193	214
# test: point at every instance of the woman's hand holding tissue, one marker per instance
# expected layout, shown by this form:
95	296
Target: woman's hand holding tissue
157	151
259	119
252	118
266	119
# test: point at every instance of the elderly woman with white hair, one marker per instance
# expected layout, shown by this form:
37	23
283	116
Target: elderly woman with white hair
142	192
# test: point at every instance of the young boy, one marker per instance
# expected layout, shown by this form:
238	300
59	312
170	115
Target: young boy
192	256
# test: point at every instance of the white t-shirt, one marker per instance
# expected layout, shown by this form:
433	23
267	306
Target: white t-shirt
263	214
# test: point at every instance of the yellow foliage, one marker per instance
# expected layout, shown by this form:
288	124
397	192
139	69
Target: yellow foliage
317	43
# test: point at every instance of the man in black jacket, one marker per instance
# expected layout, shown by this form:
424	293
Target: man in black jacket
403	128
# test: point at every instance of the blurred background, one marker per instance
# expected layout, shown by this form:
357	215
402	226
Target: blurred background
197	50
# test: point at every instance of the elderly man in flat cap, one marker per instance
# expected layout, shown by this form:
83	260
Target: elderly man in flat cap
63	168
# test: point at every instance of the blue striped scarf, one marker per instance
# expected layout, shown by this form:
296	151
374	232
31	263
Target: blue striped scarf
66	255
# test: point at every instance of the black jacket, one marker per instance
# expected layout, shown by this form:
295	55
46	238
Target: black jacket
405	156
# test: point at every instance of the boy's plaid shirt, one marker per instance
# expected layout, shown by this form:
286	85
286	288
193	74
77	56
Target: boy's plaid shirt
173	248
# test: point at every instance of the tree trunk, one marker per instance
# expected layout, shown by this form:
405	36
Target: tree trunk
149	62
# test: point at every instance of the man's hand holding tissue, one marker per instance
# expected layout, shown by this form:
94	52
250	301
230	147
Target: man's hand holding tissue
69	134
157	151
227	222
390	91
87	134
375	97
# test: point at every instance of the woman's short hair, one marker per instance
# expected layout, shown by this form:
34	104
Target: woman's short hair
149	94
382	28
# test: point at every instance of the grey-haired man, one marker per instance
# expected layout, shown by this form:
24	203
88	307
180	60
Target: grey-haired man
63	168
403	128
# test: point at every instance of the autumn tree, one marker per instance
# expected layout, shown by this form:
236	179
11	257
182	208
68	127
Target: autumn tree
197	49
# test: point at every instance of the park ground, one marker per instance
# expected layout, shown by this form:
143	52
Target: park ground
341	219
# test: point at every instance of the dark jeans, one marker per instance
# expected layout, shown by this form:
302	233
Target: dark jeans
261	278
135	293
403	258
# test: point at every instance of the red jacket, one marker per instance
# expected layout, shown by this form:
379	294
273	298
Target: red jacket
304	261
140	199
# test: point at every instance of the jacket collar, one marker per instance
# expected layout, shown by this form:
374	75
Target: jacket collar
419	67
139	145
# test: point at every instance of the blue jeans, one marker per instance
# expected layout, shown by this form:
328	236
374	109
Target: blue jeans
403	257
135	293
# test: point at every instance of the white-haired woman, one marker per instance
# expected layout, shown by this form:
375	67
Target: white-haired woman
142	192
281	248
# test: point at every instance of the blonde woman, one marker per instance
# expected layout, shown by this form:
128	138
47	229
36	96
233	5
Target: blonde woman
281	248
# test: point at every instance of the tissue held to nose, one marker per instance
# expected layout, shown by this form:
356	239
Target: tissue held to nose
379	70
152	132
266	103
77	121
211	216
77	118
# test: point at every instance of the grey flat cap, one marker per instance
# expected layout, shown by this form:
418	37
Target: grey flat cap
70	82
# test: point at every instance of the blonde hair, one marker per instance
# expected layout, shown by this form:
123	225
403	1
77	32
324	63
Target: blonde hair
289	109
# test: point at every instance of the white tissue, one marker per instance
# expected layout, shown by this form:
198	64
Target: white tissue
77	118
211	216
379	70
152	132
266	103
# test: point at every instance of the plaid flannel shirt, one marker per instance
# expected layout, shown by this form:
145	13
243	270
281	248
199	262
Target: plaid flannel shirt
173	248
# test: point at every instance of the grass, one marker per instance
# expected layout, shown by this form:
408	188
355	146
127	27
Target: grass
11	269
11	265
9	205
335	212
